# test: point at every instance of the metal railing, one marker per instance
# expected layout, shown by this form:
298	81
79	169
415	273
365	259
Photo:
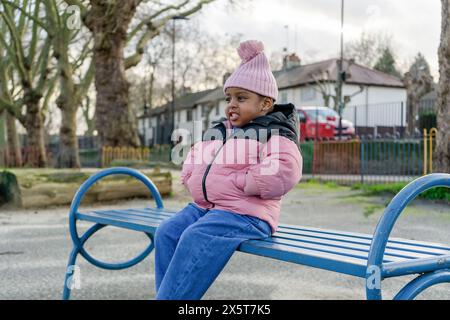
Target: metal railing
386	120
369	160
110	154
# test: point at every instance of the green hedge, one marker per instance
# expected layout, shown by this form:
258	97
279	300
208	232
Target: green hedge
427	120
440	193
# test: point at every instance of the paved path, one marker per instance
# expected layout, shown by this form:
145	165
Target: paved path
34	247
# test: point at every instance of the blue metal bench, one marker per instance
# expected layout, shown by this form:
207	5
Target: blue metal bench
374	257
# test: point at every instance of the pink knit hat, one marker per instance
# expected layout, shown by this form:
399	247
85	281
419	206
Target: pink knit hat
254	73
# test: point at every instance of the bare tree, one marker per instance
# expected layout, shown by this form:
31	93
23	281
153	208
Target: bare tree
72	88
368	48
62	31
7	92
111	25
29	55
88	115
146	87
324	85
418	82
201	62
443	115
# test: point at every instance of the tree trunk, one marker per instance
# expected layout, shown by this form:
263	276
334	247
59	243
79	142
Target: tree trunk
411	114
416	87
14	152
443	114
35	154
115	121
90	122
151	88
68	156
68	102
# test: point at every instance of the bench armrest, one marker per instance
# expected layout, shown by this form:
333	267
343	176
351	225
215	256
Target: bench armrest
387	221
100	175
114	171
78	242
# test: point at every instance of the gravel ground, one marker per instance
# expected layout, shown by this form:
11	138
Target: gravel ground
35	244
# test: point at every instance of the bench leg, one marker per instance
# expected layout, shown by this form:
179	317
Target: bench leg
70	273
419	284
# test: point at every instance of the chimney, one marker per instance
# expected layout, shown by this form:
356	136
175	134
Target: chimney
291	61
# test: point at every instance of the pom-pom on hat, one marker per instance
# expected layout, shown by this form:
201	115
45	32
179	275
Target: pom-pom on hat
254	72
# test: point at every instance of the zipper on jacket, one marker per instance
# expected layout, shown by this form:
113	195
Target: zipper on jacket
205	194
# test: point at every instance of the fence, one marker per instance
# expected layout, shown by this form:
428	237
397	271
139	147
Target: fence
428	148
156	154
29	157
369	161
91	157
362	160
110	154
387	120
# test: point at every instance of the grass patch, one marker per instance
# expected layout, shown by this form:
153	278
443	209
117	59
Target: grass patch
371	209
315	183
440	193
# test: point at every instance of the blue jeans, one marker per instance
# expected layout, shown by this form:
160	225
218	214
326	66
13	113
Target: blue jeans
192	247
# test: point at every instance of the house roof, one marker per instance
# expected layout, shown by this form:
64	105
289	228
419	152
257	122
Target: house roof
183	102
327	71
296	76
214	95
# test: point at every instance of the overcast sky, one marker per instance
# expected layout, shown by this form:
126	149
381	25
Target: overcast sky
314	26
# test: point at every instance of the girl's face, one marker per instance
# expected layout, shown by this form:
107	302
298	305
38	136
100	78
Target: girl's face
244	106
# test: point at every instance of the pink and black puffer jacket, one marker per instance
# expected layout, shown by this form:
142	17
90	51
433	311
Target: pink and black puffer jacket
249	170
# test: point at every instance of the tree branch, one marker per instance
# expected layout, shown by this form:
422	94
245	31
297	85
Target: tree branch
6	101
82	55
18	54
86	82
34	35
23	11
50	90
44	66
153	29
149	20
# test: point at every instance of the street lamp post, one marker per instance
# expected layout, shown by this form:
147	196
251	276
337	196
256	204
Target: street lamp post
146	122
340	74
172	107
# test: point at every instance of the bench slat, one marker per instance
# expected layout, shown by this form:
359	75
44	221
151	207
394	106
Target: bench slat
333	250
143	226
392	247
343	248
336	250
132	216
162	212
357	249
322	260
287	227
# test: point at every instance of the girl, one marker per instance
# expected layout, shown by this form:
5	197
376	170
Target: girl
236	176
